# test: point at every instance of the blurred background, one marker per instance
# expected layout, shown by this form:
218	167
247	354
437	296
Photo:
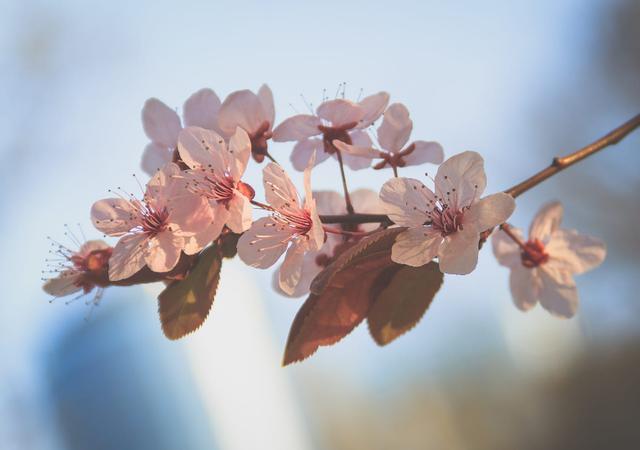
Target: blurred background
517	81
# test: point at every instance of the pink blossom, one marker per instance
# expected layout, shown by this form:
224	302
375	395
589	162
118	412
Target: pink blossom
162	125
254	113
446	224
150	230
543	268
393	135
79	270
215	175
331	203
291	222
338	119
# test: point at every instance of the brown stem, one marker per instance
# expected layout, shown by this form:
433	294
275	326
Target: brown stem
354	218
395	170
347	199
507	229
268	155
560	163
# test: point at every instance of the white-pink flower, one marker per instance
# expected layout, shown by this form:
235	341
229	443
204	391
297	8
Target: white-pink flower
78	270
150	230
292	224
215	175
447	223
254	113
542	269
393	135
162	125
331	203
338	119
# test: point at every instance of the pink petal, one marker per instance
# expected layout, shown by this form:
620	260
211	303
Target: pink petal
558	293
114	216
546	221
458	253
206	232
416	246
406	201
164	251
240	212
266	99
128	256
263	243
354	150
525	287
290	272
238	153
340	112
278	188
373	106
317	232
424	152
297	128
309	271
506	251
463	177
303	150
164	186
395	129
154	157
93	245
241	109
201	110
573	252
489	211
354	162
63	284
202	149
161	124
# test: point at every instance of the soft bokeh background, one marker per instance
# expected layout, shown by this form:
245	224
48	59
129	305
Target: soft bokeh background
518	82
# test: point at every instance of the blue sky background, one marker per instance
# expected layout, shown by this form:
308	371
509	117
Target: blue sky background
516	81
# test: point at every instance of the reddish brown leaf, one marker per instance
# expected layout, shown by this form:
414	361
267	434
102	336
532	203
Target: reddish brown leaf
341	296
184	305
403	302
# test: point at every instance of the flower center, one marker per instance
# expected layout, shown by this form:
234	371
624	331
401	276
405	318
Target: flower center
533	254
154	222
341	133
299	220
259	140
446	220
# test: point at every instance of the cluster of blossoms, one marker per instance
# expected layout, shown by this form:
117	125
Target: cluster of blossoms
197	195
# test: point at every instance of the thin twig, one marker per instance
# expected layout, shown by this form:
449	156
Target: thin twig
560	163
355	218
347	199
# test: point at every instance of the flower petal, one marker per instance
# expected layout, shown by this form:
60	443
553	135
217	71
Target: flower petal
64	284
424	152
290	272
91	246
406	201
395	129
241	109
458	253
278	188
240	213
506	251
461	180
573	252
546	221
373	106
154	157
263	243
490	211
303	150
330	202
201	110
266	100
161	124
340	112
309	271
366	201
210	227
316	234
558	293
416	246
164	251
359	138
202	149
525	287
238	153
297	128
354	150
114	216
128	256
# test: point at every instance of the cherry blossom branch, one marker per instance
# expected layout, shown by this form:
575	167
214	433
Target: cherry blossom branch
347	199
507	229
355	218
560	163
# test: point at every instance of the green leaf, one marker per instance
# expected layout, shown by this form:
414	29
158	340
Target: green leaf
184	305
403	302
